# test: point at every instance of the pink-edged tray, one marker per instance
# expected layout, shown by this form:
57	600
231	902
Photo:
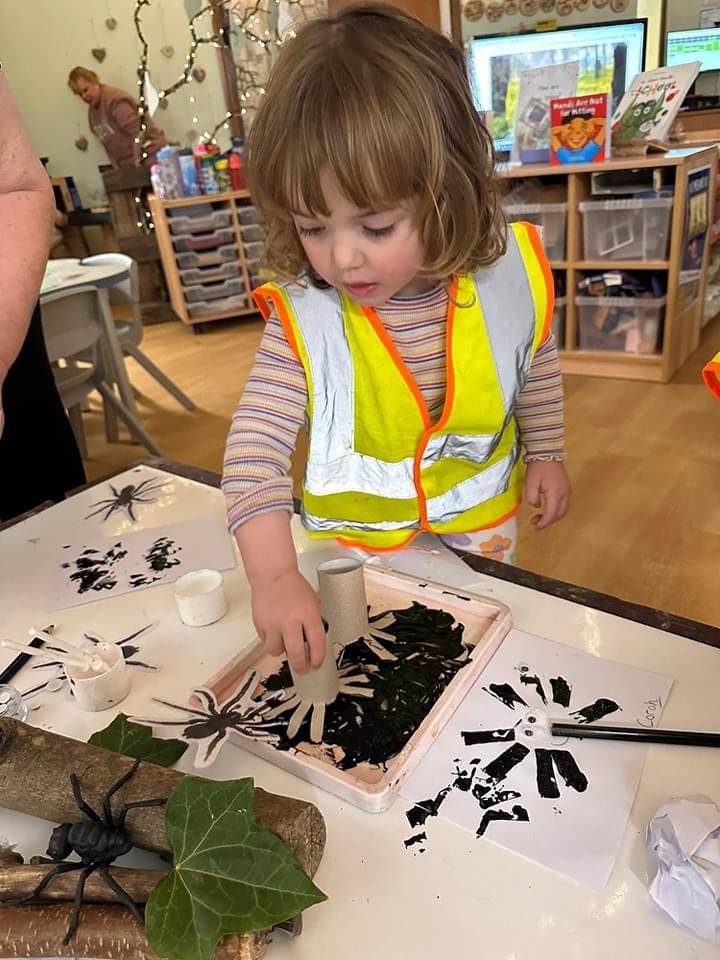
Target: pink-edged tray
372	786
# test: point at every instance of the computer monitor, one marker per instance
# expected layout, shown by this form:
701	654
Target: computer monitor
685	46
610	56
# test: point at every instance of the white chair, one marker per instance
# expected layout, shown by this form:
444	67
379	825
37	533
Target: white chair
130	332
73	335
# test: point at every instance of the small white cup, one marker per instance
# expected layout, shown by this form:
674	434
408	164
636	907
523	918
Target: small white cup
105	689
200	597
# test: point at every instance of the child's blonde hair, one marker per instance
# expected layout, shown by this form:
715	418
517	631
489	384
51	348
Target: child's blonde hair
384	103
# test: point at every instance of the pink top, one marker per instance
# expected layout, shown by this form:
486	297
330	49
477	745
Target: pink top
115	123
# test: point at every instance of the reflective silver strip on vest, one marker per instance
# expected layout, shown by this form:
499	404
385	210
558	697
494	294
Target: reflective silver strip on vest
357	473
475	490
507	303
324	525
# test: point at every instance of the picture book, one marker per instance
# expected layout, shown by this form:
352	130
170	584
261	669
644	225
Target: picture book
646	113
580	129
532	115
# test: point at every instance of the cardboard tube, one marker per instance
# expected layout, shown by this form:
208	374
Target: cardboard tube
343	600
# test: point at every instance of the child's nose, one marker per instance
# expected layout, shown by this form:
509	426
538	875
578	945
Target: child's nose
346	255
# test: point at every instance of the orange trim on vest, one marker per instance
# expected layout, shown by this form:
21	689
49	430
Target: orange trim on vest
711	376
537	246
261	295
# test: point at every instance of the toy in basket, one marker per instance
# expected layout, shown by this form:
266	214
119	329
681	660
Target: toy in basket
399	679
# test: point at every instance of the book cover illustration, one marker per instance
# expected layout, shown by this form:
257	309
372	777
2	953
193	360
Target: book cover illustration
532	116
648	109
580	129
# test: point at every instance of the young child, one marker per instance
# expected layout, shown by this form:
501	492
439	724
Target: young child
410	332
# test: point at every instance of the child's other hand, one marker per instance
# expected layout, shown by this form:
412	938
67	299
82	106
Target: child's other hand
286	612
547	486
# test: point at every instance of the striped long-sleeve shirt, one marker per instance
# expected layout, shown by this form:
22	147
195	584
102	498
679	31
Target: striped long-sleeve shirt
262	438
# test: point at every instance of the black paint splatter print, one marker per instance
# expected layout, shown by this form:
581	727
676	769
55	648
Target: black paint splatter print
94	570
161	556
485	781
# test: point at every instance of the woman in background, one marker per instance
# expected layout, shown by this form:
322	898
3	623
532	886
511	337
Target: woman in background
113	118
39	458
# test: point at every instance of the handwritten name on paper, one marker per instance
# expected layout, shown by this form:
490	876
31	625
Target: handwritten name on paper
651	710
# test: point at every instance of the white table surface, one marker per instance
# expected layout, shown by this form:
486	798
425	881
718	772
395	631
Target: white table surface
463	898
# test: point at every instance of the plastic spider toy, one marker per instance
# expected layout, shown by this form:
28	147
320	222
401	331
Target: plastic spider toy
127	498
240	713
98	841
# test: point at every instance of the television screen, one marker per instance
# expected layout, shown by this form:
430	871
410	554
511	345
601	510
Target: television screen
685	46
610	56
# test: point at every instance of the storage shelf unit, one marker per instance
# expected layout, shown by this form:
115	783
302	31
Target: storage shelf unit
682	324
210	248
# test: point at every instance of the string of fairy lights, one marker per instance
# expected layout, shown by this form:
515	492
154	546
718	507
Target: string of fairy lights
251	21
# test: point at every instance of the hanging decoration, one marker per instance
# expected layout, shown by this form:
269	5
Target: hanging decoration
199	74
99	53
111	23
168	51
494	12
474	10
528	8
510	7
82	143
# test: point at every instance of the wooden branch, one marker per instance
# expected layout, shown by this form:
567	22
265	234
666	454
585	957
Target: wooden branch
35	768
104	932
17	882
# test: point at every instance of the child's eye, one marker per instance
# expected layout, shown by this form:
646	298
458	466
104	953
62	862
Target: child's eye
310	231
379	231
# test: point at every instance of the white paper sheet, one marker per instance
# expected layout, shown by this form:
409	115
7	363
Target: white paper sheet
96	568
579	830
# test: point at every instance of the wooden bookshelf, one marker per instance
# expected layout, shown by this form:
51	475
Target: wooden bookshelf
682	324
231	202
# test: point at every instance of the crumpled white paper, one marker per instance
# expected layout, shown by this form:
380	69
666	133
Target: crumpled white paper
683	845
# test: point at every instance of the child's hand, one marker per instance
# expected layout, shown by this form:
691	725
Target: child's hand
547	486
286	612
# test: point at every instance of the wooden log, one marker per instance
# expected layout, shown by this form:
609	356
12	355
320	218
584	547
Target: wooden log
18	881
105	932
35	768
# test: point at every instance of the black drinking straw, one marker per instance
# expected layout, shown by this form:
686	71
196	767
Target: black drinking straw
687	738
16	665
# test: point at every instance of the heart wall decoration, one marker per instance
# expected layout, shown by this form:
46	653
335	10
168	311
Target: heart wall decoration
82	144
99	53
199	74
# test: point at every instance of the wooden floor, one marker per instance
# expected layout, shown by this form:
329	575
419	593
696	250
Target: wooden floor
644	460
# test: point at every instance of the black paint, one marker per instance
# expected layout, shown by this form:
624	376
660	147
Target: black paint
415	838
505	693
561	691
533	681
501	766
546	782
163	554
430	651
472	737
565	764
517	813
95	570
595	711
418	814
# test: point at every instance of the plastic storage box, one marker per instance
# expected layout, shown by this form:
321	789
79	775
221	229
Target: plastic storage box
203	241
221	255
629	324
213	291
552	217
252	233
204	307
248	215
626	229
201	223
253	251
218	271
558	322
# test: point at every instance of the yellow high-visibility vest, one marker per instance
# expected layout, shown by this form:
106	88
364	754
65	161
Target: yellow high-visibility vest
711	375
379	471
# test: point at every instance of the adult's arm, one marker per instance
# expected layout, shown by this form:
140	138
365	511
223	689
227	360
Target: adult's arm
26	218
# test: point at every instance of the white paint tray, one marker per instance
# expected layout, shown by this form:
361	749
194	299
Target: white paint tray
370	786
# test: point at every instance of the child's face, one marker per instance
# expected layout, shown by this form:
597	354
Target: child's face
372	256
577	133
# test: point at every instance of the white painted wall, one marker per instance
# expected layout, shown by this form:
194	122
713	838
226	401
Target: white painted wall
685	14
42	40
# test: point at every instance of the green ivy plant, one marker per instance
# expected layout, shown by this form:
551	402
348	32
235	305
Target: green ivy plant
136	741
228	876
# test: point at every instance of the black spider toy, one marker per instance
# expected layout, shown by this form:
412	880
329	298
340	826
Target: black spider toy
126	498
98	841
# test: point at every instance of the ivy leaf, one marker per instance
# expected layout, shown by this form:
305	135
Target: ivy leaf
136	740
229	876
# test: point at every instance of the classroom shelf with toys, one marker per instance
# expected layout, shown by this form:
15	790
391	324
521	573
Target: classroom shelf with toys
628	243
210	247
